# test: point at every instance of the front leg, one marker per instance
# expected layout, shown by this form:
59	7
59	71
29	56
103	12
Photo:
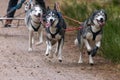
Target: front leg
49	49
30	40
57	47
87	45
89	51
60	47
40	35
94	51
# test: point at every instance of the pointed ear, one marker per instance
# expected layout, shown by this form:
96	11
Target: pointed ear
89	22
94	13
55	6
48	8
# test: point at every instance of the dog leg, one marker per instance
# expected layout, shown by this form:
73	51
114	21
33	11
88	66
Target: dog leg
80	59
48	50
56	51
87	45
33	40
30	40
89	49
40	35
76	42
60	46
91	62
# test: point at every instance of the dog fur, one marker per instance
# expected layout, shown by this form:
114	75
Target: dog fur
33	23
55	32
90	36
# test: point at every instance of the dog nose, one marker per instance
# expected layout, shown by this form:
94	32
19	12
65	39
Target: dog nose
38	14
51	20
101	19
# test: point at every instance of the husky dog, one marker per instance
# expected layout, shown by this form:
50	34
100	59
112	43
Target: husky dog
89	37
55	32
34	24
28	5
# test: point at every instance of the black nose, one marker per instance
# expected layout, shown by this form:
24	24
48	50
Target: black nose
101	19
38	14
51	20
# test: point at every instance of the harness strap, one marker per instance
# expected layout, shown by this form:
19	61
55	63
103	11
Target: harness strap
53	35
95	33
35	29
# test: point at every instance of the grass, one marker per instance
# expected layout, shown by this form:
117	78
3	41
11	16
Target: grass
111	36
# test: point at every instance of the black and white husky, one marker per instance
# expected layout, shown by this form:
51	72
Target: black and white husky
34	24
90	36
55	32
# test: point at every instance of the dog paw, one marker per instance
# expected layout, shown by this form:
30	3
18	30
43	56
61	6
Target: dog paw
91	64
46	54
30	49
60	60
38	43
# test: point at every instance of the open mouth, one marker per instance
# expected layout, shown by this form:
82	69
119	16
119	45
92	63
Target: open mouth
52	22
38	16
101	22
48	24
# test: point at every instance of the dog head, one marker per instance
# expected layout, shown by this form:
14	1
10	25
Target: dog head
52	17
27	6
98	18
36	11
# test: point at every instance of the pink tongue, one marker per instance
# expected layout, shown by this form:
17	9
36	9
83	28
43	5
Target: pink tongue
47	25
102	24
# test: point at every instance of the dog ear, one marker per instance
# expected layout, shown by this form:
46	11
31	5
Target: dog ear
90	20
48	8
57	6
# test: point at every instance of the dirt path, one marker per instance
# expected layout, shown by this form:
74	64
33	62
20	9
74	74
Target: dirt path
16	63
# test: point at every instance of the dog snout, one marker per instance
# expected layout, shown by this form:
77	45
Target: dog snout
51	20
101	20
39	14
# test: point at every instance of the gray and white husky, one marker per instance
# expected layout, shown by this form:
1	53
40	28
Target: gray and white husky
34	24
55	32
90	36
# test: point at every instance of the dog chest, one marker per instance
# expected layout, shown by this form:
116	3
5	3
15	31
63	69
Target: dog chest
93	42
90	37
53	37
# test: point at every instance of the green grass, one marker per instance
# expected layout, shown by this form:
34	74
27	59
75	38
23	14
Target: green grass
111	33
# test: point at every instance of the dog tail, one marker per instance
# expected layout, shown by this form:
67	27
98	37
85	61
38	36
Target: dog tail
76	42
